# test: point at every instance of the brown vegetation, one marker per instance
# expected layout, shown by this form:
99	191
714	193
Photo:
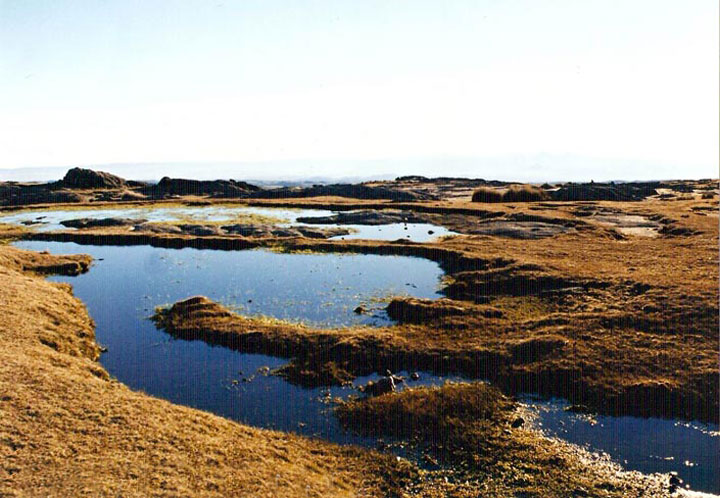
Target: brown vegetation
487	194
476	430
514	193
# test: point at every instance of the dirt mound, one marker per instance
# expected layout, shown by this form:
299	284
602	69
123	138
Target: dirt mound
487	194
82	178
192	308
524	193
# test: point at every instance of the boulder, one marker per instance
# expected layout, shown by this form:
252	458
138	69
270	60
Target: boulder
200	230
382	386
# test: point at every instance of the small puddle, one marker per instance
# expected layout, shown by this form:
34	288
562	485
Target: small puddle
645	444
416	232
629	224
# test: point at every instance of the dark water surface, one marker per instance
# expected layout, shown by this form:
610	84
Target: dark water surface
650	445
126	283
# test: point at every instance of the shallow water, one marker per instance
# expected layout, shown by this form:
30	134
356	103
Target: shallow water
47	220
50	220
126	283
416	232
317	289
645	444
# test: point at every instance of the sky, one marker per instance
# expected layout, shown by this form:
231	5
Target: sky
508	89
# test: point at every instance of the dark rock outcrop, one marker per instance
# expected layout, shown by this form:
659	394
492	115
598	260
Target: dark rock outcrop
213	188
81	178
255	231
365	218
272	231
605	191
12	194
342	190
101	222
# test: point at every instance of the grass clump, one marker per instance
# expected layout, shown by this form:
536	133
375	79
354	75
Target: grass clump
479	438
487	194
516	193
441	415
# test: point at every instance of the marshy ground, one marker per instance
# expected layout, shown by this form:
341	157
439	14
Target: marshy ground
611	305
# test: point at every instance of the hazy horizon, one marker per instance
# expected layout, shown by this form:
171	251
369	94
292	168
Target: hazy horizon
527	91
537	169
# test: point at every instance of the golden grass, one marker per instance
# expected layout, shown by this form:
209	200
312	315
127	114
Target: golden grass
470	428
514	193
487	194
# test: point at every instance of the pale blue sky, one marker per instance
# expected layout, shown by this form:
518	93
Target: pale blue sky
569	85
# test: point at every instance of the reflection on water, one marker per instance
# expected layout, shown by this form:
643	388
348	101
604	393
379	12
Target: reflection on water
645	444
50	220
126	283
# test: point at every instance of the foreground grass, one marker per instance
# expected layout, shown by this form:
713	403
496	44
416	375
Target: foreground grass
478	434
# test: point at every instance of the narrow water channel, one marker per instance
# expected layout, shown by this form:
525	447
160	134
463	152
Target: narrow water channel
125	284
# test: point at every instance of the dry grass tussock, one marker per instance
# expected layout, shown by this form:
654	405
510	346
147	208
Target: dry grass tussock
481	434
515	193
66	429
